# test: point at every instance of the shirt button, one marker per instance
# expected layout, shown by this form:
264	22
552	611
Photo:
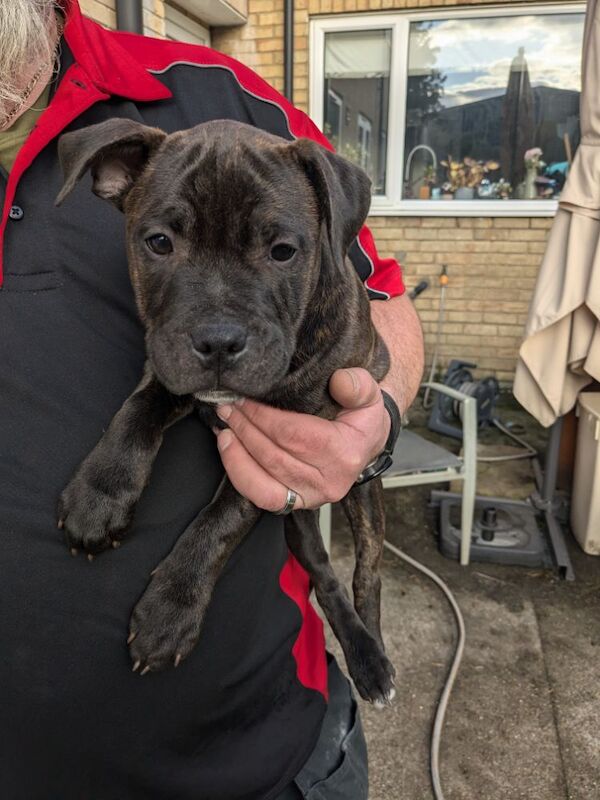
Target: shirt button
16	212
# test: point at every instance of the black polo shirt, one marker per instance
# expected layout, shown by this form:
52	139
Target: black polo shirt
240	716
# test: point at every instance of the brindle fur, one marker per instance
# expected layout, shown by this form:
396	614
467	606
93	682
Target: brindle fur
224	192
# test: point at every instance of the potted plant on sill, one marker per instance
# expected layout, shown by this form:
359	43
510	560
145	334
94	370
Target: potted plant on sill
465	176
429	181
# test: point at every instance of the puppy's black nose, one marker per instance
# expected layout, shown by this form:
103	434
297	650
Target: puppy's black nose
219	342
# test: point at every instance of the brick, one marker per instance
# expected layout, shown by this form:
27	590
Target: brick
438	222
481	329
269	18
511	222
268	45
537	247
475	222
542	222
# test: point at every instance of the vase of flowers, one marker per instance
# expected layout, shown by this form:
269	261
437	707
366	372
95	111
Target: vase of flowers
533	164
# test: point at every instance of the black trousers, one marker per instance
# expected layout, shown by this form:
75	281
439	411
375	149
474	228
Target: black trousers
337	768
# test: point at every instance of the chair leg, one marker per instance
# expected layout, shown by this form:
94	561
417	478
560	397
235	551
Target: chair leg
325	525
466	517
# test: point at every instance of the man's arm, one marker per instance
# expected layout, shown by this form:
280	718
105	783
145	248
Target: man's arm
398	324
265	451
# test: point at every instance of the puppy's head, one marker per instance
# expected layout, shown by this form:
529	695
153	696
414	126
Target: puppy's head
229	230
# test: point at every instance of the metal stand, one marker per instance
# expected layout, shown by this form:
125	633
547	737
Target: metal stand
512	533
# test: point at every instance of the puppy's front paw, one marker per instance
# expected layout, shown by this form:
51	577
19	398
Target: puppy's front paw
371	670
166	623
93	519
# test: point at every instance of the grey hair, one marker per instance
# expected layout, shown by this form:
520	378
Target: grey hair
26	37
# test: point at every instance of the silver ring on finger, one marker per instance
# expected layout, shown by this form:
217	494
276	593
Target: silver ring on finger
290	502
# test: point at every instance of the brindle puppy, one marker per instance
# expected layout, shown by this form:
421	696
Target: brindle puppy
237	245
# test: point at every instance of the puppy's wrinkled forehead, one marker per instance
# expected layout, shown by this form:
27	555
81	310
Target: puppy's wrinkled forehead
219	180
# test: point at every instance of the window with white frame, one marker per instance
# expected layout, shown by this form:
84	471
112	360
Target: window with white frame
471	111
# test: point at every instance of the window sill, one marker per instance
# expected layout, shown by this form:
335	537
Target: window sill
463	208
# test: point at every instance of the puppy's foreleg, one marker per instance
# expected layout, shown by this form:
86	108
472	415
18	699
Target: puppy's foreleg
368	665
167	620
363	506
97	505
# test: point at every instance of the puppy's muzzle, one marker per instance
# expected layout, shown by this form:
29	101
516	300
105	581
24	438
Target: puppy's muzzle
219	344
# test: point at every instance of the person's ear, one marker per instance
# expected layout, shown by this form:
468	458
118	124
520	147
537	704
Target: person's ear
115	151
343	192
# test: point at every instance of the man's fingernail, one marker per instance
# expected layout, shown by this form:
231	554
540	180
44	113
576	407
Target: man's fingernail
224	412
354	380
224	440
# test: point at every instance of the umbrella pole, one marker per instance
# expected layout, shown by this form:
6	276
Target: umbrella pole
545	500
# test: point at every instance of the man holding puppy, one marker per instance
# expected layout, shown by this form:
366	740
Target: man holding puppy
252	713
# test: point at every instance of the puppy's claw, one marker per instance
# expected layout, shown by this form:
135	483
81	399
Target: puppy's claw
386	701
136	666
74	552
90	557
60	524
115	544
177	661
131	637
145	670
154	571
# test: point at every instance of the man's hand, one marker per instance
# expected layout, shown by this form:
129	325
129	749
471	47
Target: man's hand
265	451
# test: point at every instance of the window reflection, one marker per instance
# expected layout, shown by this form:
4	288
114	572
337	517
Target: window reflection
357	75
492	106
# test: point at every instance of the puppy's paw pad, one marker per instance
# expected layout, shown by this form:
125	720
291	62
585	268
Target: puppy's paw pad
91	520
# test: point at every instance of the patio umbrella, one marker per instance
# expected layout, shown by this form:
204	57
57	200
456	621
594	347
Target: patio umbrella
561	351
518	127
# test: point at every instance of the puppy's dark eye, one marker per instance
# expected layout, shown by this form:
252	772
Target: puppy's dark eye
160	244
282	252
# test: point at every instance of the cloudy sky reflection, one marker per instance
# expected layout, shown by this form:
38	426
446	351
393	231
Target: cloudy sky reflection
475	54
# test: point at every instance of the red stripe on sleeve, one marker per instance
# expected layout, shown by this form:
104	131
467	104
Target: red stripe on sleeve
309	647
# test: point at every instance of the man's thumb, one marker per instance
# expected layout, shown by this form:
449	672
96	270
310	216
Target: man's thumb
353	388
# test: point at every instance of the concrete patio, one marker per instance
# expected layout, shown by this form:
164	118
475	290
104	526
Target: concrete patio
524	718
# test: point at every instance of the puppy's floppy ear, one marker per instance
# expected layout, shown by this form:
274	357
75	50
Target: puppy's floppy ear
343	192
116	152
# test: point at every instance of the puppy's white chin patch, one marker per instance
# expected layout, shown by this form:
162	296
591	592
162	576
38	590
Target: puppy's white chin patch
216	397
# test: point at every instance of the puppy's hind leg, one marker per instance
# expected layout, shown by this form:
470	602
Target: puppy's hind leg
368	665
363	506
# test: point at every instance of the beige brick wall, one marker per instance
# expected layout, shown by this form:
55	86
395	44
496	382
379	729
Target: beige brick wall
102	11
492	263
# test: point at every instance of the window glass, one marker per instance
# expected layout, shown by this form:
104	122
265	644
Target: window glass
492	106
356	96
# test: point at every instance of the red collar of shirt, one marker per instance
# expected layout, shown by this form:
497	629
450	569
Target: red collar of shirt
110	67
